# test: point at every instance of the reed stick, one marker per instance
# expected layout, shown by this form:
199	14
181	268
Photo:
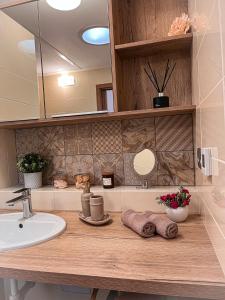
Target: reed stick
170	75
152	81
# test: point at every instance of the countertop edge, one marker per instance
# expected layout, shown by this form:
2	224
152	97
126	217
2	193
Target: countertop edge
214	291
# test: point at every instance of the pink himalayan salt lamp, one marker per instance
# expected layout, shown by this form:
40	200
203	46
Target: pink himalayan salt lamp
180	25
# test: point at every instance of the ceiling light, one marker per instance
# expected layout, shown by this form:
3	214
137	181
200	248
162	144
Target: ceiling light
96	36
66	80
27	46
64	4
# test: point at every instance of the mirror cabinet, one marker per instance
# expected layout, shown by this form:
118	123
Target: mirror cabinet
64	64
20	91
57	63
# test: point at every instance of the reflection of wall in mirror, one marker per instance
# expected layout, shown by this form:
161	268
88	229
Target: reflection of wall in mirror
18	77
77	98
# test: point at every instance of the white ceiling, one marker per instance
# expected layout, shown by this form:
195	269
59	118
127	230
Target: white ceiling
62	30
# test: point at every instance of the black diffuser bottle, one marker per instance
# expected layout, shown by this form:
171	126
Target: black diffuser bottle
160	101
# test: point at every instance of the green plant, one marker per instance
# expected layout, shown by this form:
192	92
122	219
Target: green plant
32	163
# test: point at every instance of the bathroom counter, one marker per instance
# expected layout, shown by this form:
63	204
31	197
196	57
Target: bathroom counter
114	257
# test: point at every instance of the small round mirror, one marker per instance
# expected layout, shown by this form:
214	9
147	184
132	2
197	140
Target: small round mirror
144	162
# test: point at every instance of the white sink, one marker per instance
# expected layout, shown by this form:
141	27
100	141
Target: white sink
16	232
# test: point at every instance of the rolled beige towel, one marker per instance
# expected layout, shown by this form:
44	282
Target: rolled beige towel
164	226
138	222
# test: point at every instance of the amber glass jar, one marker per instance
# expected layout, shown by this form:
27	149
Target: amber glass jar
108	180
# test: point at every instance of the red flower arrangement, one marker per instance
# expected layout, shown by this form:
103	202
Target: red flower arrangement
180	199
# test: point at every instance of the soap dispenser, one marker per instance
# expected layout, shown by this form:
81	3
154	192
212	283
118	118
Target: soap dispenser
85	200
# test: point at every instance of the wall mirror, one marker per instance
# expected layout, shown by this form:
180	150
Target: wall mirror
20	92
144	163
76	57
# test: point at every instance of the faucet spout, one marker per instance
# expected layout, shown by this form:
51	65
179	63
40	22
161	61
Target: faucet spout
27	208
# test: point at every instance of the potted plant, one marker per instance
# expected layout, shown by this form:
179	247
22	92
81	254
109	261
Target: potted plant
32	165
176	204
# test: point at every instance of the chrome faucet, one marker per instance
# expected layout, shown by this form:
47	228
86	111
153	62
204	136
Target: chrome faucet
25	198
144	186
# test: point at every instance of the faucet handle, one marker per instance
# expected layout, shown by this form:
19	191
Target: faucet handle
25	191
13	201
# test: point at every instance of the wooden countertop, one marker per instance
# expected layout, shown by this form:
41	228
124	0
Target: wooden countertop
114	257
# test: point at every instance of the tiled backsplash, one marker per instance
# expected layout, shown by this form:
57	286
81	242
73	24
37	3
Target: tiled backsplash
94	146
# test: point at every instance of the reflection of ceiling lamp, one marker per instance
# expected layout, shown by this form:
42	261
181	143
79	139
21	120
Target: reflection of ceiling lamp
27	46
96	35
66	80
64	4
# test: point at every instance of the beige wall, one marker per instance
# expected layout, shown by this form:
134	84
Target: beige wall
78	98
209	96
18	74
8	173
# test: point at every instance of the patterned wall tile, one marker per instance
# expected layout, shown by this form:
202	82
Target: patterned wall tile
20	178
71	141
51	141
107	137
79	164
109	161
174	133
131	177
138	134
78	139
175	168
84	134
57	164
84	130
26	141
89	147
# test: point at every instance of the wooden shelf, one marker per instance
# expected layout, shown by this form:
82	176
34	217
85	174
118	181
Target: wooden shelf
150	47
157	112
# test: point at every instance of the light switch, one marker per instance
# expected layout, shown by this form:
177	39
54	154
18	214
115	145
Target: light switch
204	158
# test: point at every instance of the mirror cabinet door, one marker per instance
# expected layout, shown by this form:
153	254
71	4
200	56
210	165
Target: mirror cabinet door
21	75
76	57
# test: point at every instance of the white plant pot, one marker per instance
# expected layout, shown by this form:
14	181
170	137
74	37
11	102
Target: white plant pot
177	215
33	180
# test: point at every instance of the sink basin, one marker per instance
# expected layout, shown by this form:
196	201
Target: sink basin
16	232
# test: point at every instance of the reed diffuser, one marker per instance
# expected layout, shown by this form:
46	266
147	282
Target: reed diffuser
161	100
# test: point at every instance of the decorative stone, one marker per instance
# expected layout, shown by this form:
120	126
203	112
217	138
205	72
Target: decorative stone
60	183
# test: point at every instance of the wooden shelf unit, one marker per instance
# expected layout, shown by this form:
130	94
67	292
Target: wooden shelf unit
139	33
150	47
156	112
